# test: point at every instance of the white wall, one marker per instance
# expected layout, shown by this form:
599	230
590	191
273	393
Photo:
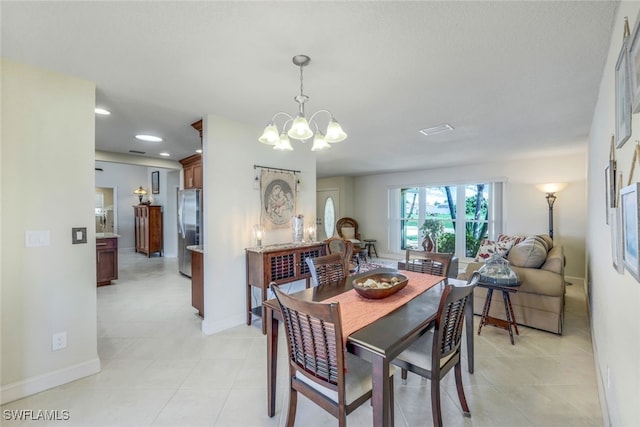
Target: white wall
232	207
526	209
615	318
47	184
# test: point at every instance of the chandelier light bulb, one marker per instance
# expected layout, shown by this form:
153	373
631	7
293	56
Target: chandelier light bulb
319	143
270	135
300	129
335	132
284	144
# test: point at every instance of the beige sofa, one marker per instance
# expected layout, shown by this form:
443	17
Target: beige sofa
539	302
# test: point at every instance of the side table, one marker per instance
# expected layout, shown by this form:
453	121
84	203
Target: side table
370	245
493	321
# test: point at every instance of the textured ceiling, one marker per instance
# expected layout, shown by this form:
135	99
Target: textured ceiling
515	79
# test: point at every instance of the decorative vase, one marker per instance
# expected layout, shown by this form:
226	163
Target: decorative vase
297	222
428	244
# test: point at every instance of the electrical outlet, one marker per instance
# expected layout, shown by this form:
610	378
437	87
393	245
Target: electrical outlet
59	341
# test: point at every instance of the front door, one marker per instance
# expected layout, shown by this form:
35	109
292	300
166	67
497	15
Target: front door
327	209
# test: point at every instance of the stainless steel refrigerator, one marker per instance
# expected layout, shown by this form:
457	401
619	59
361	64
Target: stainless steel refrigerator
189	226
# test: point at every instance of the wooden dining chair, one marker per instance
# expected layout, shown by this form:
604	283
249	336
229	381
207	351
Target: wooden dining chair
328	268
434	354
343	246
347	228
319	367
435	263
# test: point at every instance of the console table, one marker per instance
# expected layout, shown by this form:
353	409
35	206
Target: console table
283	263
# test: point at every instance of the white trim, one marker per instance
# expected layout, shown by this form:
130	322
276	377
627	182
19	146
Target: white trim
24	388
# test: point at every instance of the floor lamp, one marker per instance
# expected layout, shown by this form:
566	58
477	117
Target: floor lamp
551	190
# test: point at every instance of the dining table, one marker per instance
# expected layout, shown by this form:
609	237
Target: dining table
380	341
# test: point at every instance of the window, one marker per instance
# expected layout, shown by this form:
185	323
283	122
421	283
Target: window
433	211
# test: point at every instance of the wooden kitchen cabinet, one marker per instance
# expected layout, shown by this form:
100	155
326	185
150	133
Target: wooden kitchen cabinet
148	229
192	167
280	264
106	260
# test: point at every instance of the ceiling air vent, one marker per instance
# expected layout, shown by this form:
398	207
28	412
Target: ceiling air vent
137	152
437	129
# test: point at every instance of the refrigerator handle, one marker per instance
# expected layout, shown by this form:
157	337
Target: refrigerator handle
180	208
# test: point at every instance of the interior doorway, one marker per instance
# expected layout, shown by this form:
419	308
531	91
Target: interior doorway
327	211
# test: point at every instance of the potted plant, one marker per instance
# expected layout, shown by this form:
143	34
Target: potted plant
431	229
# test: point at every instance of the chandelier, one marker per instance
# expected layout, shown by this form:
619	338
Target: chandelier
299	127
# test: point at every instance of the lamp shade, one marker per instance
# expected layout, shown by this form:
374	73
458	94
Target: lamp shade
552	188
300	129
270	135
284	144
319	143
140	191
335	132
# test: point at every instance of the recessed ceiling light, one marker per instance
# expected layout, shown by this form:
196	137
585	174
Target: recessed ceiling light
165	154
199	151
436	129
102	111
149	138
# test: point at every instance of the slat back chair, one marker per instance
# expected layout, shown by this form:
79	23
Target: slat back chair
437	351
434	263
327	268
342	246
317	359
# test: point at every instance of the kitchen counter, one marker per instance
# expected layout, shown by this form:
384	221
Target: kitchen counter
107	236
196	248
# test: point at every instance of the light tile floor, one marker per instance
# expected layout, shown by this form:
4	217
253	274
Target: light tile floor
159	369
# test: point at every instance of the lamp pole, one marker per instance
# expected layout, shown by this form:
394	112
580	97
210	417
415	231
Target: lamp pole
551	198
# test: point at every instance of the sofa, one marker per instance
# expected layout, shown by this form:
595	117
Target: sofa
539	265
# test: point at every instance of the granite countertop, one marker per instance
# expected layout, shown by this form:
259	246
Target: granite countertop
282	246
107	236
196	248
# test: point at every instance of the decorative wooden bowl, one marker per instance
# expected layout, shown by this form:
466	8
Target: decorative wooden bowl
379	293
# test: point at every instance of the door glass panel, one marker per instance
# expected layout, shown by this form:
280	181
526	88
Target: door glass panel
329	217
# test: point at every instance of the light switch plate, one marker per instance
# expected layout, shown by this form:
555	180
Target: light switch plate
34	238
78	235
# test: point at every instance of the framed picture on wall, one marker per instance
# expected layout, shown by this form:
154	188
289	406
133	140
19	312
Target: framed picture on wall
155	182
623	96
607	196
629	216
634	65
616	240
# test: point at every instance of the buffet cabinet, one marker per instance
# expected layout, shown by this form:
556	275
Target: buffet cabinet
106	260
148	229
280	264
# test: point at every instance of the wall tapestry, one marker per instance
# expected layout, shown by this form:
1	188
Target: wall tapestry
278	198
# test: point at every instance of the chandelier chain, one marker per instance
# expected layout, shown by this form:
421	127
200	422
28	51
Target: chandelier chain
301	82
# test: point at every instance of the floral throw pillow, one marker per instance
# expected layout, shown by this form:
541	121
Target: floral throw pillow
490	247
514	239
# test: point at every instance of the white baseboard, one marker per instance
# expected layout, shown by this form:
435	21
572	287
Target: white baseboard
24	388
211	327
